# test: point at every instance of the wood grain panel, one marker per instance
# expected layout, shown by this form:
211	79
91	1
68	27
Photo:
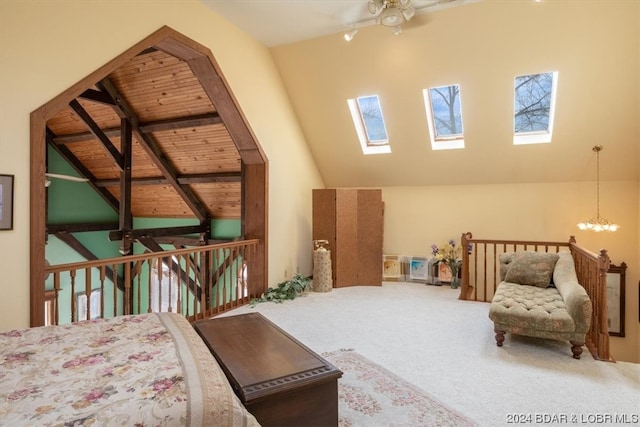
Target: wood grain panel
369	229
324	222
347	238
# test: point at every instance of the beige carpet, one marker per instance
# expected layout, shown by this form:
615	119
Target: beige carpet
370	395
445	347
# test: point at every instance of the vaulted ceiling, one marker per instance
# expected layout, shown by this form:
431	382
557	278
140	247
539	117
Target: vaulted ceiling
183	161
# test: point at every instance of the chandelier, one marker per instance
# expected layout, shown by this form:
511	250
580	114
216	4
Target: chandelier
598	223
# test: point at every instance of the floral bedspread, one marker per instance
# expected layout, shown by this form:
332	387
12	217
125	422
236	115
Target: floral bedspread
143	370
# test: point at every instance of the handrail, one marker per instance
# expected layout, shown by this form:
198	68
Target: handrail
196	282
481	277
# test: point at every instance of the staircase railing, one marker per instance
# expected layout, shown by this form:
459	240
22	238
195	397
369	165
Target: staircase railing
197	282
481	277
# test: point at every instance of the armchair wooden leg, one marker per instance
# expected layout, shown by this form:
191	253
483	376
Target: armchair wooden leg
576	348
500	337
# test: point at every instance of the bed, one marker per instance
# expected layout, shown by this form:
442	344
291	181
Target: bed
150	369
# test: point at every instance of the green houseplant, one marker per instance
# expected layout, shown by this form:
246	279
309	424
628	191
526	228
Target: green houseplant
286	290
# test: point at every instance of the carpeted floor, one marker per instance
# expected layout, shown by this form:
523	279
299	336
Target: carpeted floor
445	347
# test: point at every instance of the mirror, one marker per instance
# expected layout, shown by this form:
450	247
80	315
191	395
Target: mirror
615	299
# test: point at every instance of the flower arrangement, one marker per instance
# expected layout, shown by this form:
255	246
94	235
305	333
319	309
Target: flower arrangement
449	254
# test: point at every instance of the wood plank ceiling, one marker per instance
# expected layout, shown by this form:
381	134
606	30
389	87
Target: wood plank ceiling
183	161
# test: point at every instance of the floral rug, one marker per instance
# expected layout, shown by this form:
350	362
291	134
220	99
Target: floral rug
370	395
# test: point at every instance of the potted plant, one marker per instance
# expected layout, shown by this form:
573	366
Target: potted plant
286	290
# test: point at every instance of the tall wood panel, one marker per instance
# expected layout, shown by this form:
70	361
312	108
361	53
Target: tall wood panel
351	221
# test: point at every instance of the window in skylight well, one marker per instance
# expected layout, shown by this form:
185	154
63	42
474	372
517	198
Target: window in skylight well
369	123
534	106
444	117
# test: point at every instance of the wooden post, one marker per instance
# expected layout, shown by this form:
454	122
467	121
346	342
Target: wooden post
465	289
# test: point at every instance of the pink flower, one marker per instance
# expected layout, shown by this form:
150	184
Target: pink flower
164	384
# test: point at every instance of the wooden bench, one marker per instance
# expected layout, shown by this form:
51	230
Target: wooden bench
278	379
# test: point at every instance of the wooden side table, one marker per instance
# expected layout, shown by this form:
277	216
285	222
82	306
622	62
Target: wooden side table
278	379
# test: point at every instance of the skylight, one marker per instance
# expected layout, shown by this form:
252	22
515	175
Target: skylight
444	117
368	120
534	108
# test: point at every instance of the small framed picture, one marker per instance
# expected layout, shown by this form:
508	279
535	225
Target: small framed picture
392	268
6	202
616	299
418	269
444	273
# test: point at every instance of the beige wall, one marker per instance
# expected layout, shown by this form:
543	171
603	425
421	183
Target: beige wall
491	188
45	47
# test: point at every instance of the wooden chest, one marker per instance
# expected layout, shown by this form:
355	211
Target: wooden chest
278	379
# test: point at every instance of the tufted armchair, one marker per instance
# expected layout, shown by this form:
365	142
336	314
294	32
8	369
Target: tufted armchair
539	296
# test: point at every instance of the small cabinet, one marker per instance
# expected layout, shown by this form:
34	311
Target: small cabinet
351	220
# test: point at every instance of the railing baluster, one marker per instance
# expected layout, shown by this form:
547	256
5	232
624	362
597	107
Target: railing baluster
210	280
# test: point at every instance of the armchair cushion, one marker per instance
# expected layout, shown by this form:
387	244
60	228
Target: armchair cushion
532	268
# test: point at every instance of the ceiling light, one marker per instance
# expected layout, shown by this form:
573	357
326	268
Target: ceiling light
598	223
348	36
391	17
396	30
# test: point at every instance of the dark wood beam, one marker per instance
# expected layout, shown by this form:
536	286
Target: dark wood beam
154	152
216	90
82	170
205	178
182	242
160	125
181	123
126	218
97	96
97	132
157	232
83	251
80	228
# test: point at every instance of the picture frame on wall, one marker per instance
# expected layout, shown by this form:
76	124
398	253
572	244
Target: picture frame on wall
392	268
418	269
6	202
616	276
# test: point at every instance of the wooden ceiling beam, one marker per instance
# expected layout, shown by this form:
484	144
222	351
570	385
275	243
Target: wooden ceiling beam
126	217
234	120
181	242
156	126
82	170
157	232
204	178
181	123
97	96
97	132
153	150
80	228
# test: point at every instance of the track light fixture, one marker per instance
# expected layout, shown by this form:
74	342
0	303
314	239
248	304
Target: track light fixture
348	36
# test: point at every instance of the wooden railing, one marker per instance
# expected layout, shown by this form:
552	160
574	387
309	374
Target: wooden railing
197	282
481	276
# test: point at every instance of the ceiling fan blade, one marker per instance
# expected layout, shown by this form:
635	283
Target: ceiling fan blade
66	177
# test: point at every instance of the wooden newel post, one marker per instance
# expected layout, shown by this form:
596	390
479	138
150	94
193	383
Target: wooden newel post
465	289
603	328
